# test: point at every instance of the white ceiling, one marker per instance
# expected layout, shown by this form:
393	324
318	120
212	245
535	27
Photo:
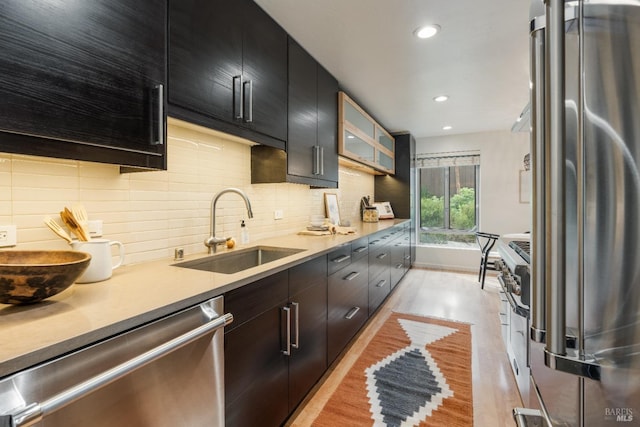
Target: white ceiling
479	58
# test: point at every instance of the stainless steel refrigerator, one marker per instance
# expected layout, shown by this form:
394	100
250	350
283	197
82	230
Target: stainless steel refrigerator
585	302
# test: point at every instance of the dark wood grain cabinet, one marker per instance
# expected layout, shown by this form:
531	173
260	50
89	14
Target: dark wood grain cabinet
312	146
311	155
84	80
228	68
398	189
276	348
348	295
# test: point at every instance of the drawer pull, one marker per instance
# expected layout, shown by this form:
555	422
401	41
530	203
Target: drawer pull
399	266
352	313
352	275
407	257
341	258
381	283
382	256
360	249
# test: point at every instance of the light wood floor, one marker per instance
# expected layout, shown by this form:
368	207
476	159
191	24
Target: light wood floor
452	296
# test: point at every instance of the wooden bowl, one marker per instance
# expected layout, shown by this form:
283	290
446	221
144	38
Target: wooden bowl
31	276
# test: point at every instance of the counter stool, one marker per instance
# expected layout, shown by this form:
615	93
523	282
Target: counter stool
486	241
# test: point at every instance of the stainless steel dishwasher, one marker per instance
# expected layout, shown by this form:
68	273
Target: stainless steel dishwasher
169	372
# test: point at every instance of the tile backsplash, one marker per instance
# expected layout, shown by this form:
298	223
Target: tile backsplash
152	213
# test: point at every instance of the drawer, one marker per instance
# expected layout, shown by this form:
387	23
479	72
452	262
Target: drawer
348	306
339	259
359	248
252	300
379	288
379	259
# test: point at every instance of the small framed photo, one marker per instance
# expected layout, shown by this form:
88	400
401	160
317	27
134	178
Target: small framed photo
331	208
384	210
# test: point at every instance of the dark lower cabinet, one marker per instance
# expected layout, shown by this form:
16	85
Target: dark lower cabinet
256	369
308	297
228	68
348	305
84	80
290	326
276	349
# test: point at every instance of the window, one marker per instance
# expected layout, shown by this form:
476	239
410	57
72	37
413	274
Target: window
449	199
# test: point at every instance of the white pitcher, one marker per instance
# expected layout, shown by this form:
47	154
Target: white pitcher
101	265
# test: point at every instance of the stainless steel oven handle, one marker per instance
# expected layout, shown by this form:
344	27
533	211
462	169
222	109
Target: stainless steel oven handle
35	412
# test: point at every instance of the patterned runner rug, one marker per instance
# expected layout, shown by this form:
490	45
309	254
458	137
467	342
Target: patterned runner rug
416	371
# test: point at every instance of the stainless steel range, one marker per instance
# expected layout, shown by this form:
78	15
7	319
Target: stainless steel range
514	278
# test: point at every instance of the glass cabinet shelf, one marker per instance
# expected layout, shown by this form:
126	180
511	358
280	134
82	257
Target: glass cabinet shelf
362	139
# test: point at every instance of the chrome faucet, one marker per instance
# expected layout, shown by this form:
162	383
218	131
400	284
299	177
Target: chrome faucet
212	241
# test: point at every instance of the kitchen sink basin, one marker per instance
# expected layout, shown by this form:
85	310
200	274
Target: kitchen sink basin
233	262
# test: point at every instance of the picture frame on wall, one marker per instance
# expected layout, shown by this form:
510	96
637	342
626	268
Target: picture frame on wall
332	208
525	187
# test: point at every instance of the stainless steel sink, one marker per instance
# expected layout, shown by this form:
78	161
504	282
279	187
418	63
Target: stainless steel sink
233	262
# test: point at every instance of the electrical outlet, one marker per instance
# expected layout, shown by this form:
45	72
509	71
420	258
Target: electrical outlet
95	228
278	214
8	236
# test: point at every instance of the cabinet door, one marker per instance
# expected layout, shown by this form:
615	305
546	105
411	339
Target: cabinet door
256	377
256	370
303	114
205	54
264	71
308	361
83	72
328	123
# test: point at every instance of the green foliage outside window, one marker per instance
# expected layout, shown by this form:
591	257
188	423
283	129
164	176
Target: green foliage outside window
463	209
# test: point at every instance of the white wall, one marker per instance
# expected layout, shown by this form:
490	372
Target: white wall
501	160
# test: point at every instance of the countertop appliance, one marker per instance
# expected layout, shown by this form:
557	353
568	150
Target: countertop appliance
585	137
166	373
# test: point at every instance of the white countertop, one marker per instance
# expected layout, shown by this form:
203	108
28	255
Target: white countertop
136	294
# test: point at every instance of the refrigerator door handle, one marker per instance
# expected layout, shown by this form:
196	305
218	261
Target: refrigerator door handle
556	356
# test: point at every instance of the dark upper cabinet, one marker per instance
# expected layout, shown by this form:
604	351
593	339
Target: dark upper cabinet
399	188
228	68
84	80
312	152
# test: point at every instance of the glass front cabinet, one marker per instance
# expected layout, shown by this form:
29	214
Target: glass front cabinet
362	139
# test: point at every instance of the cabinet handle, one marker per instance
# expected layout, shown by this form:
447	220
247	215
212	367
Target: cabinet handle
381	283
316	160
382	256
321	160
399	266
249	115
160	141
238	95
352	313
352	276
287	339
341	258
296	317
360	249
407	257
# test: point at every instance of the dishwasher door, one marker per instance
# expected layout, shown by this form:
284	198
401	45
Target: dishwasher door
165	373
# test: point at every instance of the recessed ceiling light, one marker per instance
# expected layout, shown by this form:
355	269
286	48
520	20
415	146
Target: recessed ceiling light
350	136
441	98
426	31
447	127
